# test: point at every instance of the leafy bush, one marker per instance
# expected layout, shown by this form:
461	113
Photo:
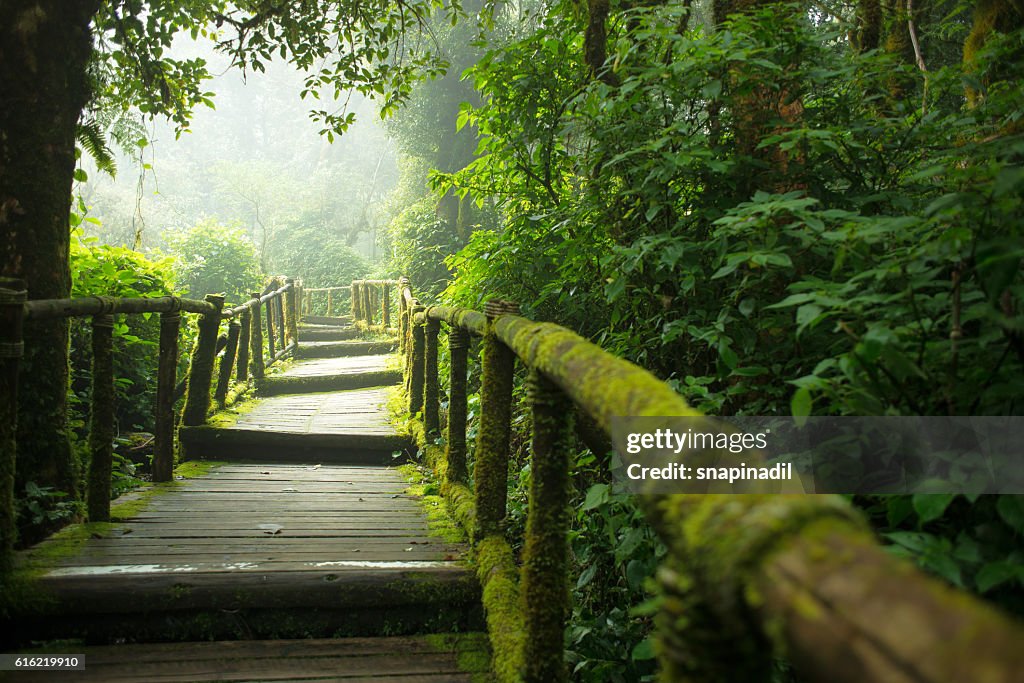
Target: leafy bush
759	215
213	258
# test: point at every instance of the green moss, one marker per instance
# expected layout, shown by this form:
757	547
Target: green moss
490	471
229	416
470	649
601	384
497	572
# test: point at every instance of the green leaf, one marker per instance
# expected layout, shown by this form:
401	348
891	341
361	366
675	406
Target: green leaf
1011	509
930	506
644	650
597	495
801	404
995	574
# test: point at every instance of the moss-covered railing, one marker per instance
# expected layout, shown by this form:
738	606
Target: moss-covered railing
748	578
245	350
370	297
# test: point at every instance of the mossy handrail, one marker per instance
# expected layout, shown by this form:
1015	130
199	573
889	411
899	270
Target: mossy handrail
747	578
243	351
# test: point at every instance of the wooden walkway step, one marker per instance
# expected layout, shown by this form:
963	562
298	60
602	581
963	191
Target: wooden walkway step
310	333
336	349
341	320
423	659
331	374
345	426
254	550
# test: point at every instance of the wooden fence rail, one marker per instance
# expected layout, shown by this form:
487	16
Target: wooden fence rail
244	354
331	295
370	297
747	577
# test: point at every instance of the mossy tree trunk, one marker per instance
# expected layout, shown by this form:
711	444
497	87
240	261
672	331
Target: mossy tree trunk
44	49
990	16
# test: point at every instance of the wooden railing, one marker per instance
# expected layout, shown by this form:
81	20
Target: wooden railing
747	577
247	351
332	299
370	297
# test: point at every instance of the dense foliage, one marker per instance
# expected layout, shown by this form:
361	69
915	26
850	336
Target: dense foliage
213	259
774	218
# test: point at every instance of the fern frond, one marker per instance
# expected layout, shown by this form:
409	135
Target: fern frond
90	136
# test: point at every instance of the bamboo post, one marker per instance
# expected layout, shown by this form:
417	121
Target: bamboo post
491	472
385	306
101	422
431	398
256	339
455	448
166	378
354	300
12	302
270	329
200	373
227	363
244	342
544	584
416	364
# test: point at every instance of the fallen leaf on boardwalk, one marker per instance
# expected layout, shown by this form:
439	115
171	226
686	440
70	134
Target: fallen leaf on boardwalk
360	499
289	490
265	472
395	496
270	529
313	467
408	550
355	550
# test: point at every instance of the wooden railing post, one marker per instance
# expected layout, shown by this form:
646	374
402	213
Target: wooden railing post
455	441
271	346
354	296
403	322
490	475
12	302
256	339
101	423
431	390
330	302
166	378
385	306
282	323
416	361
544	584
244	342
366	303
200	372
227	363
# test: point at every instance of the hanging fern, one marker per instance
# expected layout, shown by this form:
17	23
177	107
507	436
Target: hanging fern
92	139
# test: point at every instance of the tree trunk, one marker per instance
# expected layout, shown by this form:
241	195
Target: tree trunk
990	16
44	49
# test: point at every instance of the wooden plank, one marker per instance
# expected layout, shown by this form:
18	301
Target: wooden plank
143	544
338	586
405	660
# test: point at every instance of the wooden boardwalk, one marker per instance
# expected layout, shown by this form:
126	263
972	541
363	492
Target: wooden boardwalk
434	659
300	527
